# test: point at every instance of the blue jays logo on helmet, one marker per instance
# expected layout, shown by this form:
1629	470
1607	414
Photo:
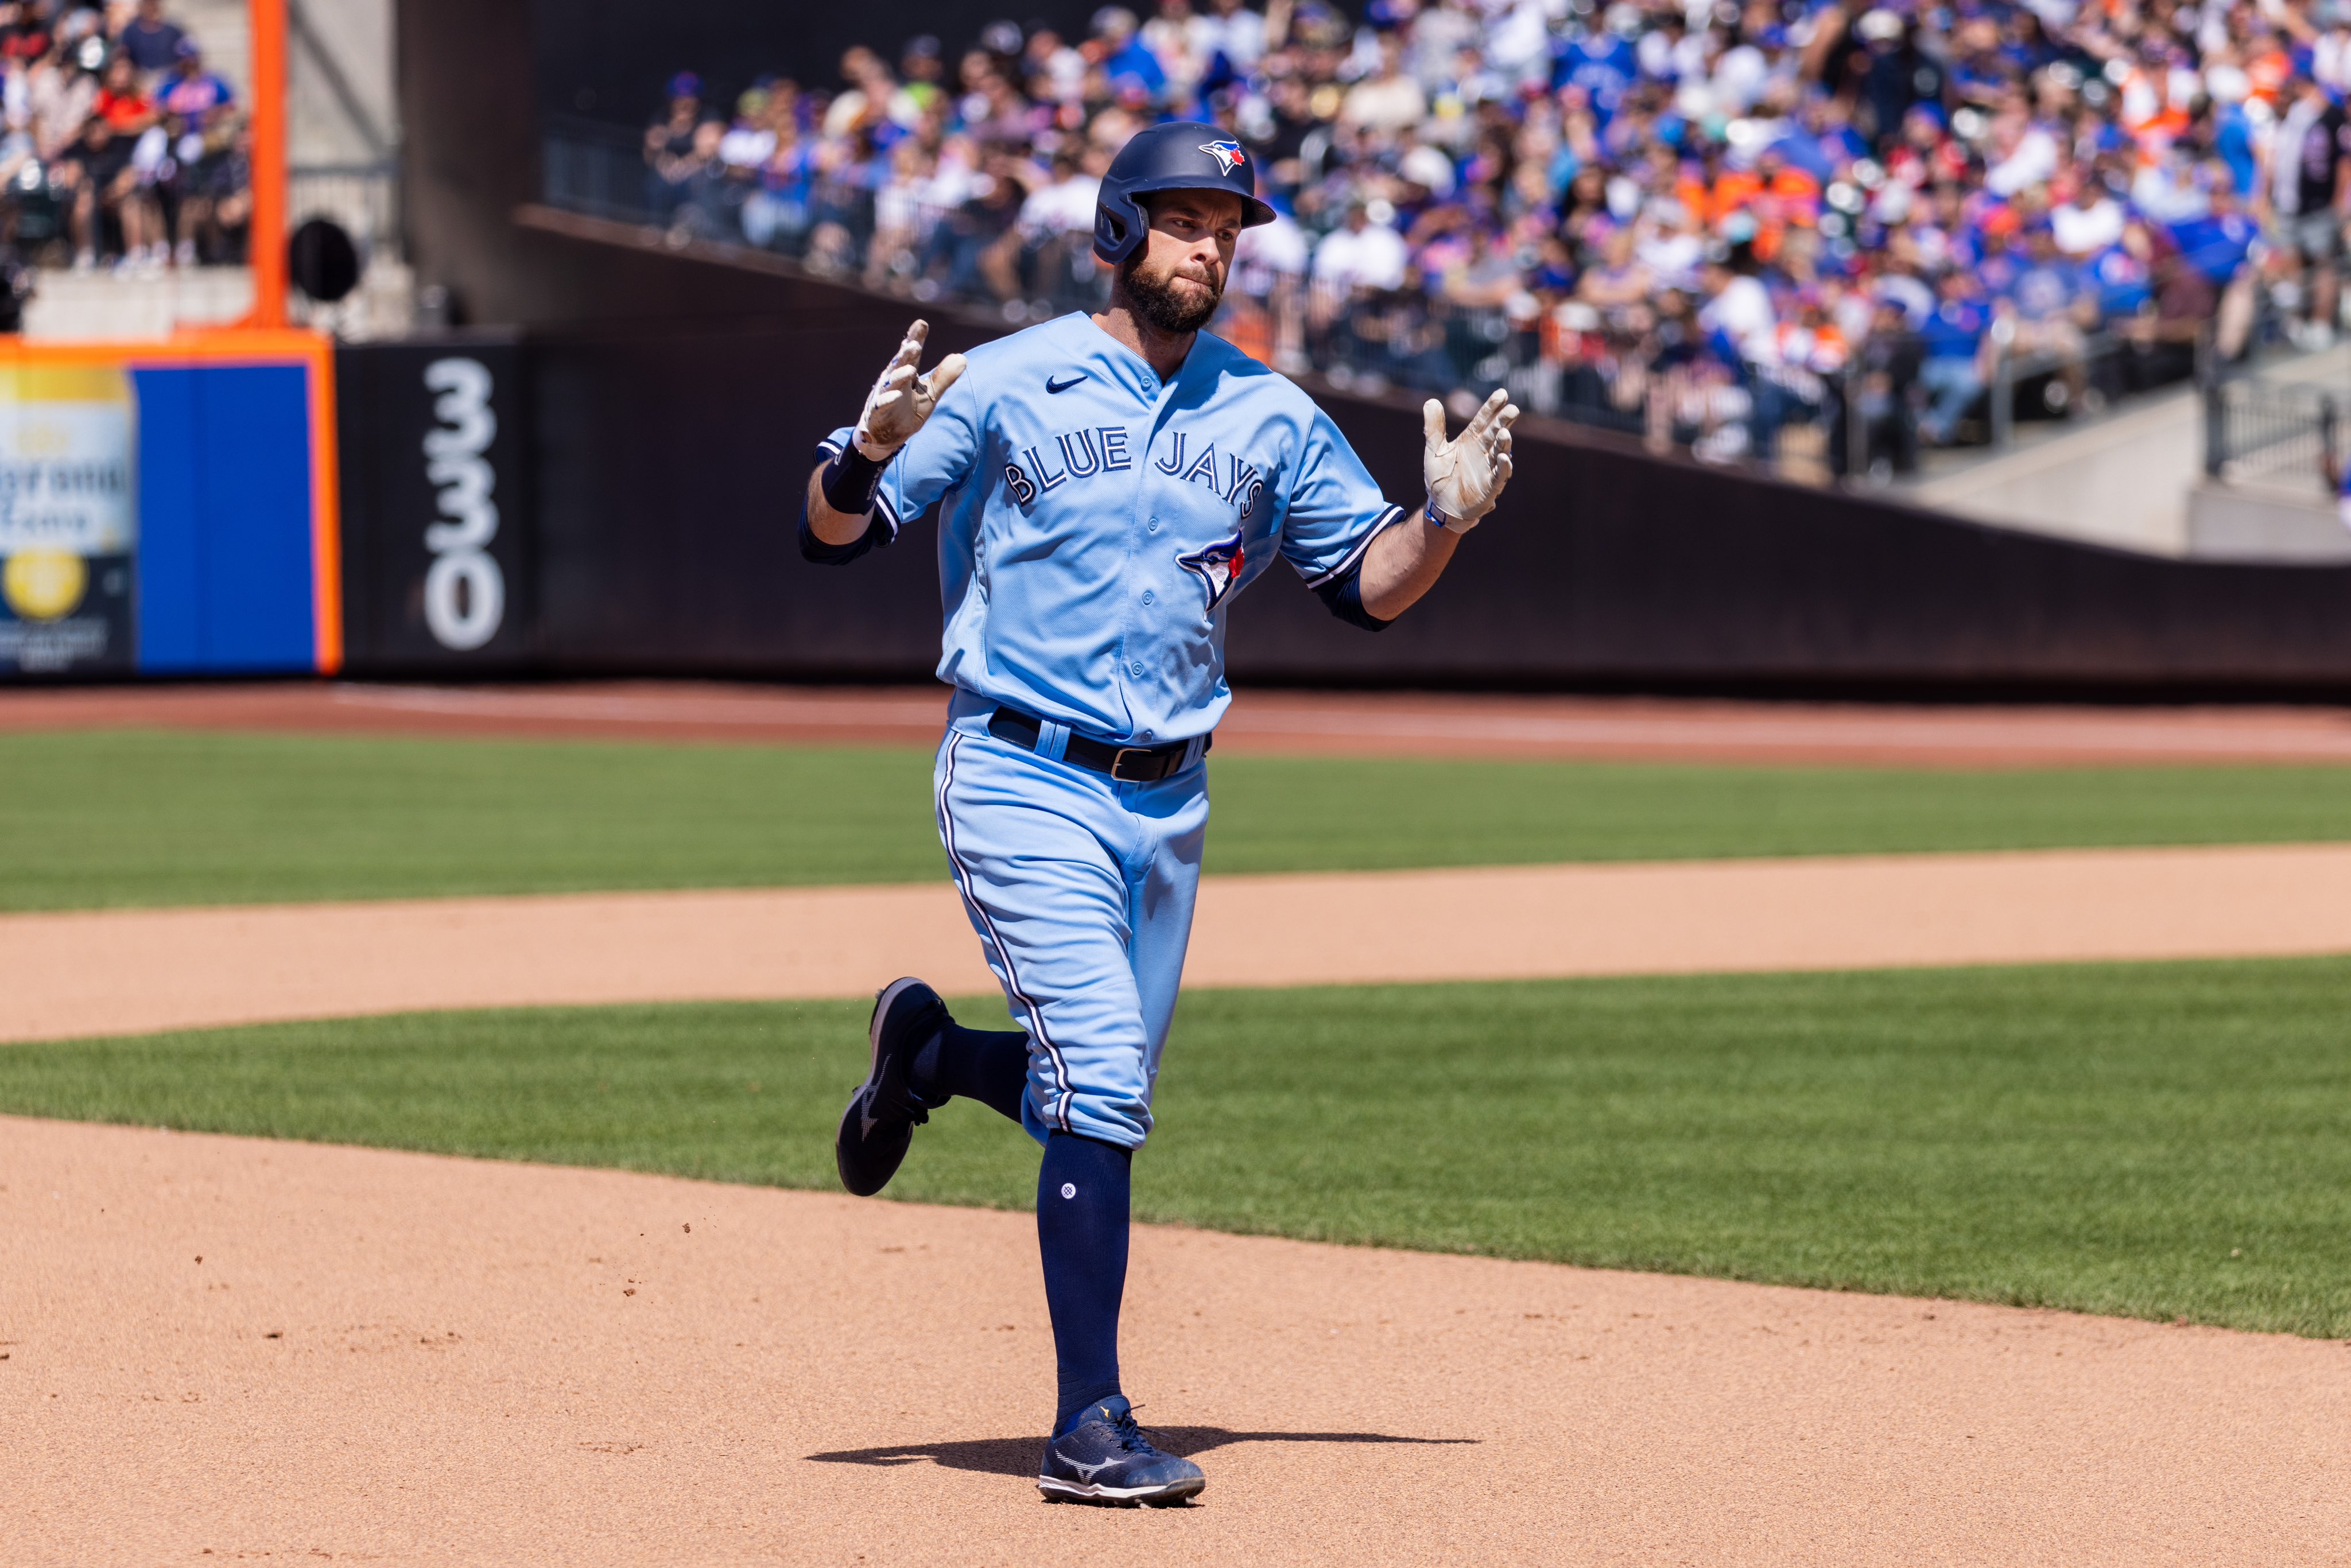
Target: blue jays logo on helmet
1218	567
1227	154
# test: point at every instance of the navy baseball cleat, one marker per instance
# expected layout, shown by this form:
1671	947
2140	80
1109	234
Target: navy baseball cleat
885	1112
1104	1458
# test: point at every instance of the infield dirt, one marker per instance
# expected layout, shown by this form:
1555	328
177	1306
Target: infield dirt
398	1356
191	968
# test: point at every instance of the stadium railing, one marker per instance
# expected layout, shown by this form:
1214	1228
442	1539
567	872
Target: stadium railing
2283	433
364	198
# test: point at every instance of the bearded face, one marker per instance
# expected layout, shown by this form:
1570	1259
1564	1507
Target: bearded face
1171	297
1176	279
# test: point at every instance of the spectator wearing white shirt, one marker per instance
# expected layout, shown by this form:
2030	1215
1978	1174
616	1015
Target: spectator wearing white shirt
1063	205
2023	154
1279	247
1236	32
1669	244
1056	72
2164	190
750	141
1360	255
1389	99
1438	34
902	216
1182	43
2090	223
1739	307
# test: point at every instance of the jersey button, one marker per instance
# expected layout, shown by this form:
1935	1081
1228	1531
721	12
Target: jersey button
1136	667
1147	597
1152	527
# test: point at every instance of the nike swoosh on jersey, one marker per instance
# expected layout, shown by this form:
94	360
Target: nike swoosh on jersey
1054	386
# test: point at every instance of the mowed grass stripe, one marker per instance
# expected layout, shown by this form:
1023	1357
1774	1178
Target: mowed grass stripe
131	818
2150	1140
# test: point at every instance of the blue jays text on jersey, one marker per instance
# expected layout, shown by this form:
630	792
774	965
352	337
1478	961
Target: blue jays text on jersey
1082	454
1095	522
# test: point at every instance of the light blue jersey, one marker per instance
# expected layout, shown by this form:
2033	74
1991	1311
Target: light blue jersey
1094	526
1095	523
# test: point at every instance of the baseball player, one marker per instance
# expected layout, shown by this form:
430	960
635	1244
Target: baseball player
1106	485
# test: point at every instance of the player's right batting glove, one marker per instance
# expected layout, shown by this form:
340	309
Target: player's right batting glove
901	400
1466	474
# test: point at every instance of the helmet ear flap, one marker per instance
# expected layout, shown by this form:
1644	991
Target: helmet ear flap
1117	225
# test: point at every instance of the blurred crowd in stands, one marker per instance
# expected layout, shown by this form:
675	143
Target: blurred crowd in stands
1709	221
119	145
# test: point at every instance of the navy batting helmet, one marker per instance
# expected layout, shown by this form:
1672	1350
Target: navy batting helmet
1183	156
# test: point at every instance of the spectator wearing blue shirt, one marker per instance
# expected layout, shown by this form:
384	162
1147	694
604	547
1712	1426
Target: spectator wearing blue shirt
1604	65
2052	308
1954	370
2124	285
1996	261
193	94
1822	142
2218	244
2220	247
2232	143
2046	288
1125	61
152	43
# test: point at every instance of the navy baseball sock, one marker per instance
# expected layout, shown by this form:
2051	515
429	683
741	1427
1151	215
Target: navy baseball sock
1082	1205
990	1066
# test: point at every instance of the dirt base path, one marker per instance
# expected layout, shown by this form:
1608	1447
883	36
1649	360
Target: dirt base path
125	970
399	1357
1399	723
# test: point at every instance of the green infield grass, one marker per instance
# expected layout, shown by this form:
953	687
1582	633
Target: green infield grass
2150	1140
127	817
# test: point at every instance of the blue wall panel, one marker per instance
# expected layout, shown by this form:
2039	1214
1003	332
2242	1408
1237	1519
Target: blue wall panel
225	569
171	605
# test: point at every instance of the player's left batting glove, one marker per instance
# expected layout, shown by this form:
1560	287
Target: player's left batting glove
901	400
1466	474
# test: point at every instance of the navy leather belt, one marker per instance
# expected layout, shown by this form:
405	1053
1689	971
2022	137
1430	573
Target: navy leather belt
1127	764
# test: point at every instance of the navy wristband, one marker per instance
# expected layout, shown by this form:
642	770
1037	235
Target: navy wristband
850	481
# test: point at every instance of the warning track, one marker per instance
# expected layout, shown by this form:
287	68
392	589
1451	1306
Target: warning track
1391	724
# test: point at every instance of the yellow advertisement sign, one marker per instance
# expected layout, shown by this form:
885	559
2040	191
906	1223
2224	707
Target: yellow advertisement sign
69	516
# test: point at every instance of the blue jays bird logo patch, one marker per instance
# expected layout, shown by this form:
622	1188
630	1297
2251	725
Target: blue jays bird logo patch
1227	154
1218	567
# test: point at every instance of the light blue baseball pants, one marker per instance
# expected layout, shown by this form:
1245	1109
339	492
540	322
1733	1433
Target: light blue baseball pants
1080	888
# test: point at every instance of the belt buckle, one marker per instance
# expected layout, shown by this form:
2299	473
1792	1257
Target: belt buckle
1119	761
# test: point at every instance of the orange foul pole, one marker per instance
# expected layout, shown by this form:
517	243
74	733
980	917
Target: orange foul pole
266	248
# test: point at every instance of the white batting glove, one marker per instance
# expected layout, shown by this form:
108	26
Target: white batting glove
901	400
1466	475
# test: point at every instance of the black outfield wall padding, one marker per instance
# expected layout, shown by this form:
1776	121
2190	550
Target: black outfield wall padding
667	465
435	459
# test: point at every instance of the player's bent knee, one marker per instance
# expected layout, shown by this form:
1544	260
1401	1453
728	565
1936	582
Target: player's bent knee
1117	1116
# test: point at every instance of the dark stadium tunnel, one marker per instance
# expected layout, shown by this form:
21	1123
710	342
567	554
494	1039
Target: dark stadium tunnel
1017	1456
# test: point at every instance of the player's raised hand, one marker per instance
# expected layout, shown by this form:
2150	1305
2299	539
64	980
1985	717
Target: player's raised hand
1466	474
901	400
